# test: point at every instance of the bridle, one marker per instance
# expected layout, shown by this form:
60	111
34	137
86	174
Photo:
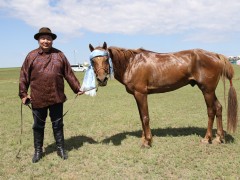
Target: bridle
106	69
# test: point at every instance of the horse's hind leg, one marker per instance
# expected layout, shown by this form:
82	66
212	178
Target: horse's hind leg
214	108
220	133
210	99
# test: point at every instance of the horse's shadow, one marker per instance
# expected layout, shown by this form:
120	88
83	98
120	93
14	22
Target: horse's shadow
174	132
74	142
78	141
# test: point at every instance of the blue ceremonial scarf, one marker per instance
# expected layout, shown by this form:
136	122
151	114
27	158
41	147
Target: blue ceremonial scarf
89	77
96	53
89	82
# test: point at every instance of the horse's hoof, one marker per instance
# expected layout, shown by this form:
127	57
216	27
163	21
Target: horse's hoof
218	140
205	141
145	146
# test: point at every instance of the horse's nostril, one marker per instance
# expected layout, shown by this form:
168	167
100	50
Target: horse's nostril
98	80
105	79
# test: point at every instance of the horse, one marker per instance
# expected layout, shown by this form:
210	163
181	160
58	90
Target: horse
144	72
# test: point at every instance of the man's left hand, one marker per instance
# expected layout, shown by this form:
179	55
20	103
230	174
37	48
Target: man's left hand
80	92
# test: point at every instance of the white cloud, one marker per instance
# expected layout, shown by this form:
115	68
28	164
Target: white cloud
208	37
72	17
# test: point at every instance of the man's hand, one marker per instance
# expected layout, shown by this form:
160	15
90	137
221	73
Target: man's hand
80	92
26	100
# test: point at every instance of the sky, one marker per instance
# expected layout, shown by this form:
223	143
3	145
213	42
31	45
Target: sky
156	25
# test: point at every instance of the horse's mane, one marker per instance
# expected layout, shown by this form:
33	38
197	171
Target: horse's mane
145	50
123	53
128	53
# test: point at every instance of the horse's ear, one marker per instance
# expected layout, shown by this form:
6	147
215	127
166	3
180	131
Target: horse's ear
105	45
91	47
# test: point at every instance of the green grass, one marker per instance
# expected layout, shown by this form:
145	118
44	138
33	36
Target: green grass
103	136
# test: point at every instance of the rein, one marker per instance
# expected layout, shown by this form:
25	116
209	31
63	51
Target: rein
28	105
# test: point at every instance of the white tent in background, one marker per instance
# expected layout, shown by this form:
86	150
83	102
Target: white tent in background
238	62
86	64
79	68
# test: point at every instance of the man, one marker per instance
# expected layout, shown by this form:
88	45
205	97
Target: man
44	70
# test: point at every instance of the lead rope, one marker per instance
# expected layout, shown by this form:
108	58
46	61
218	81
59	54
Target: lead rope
20	140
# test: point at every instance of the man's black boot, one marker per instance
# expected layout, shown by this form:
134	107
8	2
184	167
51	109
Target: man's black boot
38	136
59	137
38	154
62	153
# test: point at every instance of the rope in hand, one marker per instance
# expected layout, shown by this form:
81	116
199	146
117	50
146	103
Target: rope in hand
20	140
28	104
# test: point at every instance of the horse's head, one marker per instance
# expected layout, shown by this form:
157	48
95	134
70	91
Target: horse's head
99	59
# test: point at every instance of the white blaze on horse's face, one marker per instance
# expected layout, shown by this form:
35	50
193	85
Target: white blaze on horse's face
101	69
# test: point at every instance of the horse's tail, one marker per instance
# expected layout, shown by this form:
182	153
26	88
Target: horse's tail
232	112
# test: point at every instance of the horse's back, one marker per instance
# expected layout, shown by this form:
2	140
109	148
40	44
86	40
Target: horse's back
164	72
158	72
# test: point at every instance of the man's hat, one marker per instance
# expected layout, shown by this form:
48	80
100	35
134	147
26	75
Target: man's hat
45	31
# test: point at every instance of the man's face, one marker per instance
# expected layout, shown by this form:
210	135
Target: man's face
45	42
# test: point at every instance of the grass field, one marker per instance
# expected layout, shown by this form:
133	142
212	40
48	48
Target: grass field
103	134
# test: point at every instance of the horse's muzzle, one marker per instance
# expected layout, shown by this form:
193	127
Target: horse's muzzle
102	82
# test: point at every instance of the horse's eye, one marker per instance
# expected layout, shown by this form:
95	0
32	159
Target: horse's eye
106	59
92	62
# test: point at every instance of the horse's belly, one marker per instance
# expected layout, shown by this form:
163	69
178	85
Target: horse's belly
167	84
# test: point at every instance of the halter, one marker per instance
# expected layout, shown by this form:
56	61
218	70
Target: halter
105	69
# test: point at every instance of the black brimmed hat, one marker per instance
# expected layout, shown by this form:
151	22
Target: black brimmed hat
45	31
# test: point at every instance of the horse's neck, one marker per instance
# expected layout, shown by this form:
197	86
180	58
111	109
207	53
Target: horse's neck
119	66
121	60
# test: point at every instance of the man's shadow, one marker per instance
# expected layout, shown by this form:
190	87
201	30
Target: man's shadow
159	132
74	142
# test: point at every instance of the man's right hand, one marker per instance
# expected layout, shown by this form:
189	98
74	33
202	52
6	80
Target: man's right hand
26	100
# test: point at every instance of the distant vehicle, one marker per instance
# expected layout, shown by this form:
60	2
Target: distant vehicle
79	68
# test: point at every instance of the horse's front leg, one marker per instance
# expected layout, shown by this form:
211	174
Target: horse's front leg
142	104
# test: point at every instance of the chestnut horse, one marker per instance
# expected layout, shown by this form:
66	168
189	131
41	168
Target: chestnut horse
144	72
